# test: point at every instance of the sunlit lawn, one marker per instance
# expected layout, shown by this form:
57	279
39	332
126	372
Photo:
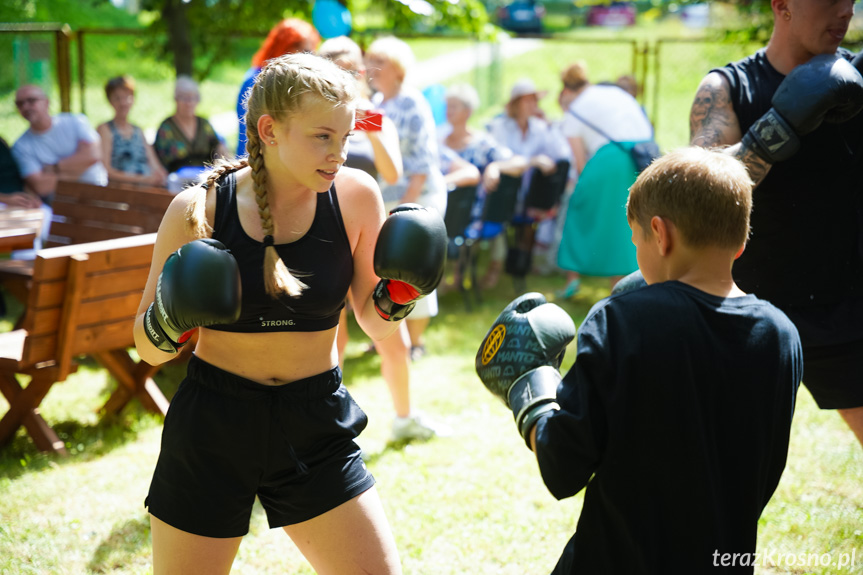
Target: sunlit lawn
472	503
469	503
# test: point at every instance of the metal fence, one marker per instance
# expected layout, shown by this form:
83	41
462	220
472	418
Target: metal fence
668	70
37	49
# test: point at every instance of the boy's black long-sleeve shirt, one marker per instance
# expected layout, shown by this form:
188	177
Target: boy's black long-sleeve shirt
676	416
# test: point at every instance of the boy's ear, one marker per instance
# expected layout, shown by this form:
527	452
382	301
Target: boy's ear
740	251
661	231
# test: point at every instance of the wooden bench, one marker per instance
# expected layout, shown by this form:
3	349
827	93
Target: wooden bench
89	213
83	300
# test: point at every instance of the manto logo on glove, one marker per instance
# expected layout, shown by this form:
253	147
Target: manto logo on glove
773	131
493	343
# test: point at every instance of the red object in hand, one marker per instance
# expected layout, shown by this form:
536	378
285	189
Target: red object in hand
369	120
401	292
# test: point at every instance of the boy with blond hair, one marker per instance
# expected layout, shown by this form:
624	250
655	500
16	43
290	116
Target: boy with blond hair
677	411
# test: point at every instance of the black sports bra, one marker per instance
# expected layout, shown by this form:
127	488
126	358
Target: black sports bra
321	259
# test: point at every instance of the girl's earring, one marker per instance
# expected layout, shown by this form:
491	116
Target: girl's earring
272	142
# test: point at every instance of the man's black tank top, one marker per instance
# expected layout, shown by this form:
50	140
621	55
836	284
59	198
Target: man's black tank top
805	247
321	259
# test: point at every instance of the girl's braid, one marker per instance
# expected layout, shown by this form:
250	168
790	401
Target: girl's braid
278	279
196	211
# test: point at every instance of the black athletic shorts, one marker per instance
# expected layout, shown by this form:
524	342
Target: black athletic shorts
832	338
227	439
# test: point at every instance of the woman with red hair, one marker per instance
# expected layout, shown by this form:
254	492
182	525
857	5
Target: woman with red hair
289	36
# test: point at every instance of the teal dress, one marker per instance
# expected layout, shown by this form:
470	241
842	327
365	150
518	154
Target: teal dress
597	240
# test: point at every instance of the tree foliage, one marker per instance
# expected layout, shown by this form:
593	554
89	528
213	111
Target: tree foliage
75	13
195	31
200	31
412	16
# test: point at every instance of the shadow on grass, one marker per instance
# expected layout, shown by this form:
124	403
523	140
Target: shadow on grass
87	441
121	546
83	442
370	458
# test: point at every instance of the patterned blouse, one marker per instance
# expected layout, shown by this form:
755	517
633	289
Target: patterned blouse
480	151
129	154
412	115
176	151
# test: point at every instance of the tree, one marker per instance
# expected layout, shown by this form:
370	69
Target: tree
405	16
196	31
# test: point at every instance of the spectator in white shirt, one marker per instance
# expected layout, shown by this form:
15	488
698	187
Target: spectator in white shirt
55	148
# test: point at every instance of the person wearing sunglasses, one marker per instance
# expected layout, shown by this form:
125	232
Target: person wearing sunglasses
63	146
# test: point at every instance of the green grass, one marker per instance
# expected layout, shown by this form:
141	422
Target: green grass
469	503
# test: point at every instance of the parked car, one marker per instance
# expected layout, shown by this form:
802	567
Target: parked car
615	15
521	16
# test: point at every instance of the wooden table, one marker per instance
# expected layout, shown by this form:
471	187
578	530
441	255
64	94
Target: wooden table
19	227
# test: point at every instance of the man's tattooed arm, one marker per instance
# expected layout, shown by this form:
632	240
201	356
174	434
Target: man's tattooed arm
757	167
713	123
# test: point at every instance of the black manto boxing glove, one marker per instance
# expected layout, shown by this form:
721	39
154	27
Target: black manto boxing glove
826	88
199	286
519	358
409	258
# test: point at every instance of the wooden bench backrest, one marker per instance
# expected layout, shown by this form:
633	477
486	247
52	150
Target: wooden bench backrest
84	298
89	213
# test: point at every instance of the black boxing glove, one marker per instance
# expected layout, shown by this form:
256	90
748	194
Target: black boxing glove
519	358
199	286
409	258
826	88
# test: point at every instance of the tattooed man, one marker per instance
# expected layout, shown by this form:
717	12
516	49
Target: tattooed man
790	113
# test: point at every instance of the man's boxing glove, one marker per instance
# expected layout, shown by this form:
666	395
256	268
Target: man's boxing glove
826	88
519	358
199	286
409	258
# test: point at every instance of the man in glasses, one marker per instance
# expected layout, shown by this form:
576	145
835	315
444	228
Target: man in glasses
55	148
